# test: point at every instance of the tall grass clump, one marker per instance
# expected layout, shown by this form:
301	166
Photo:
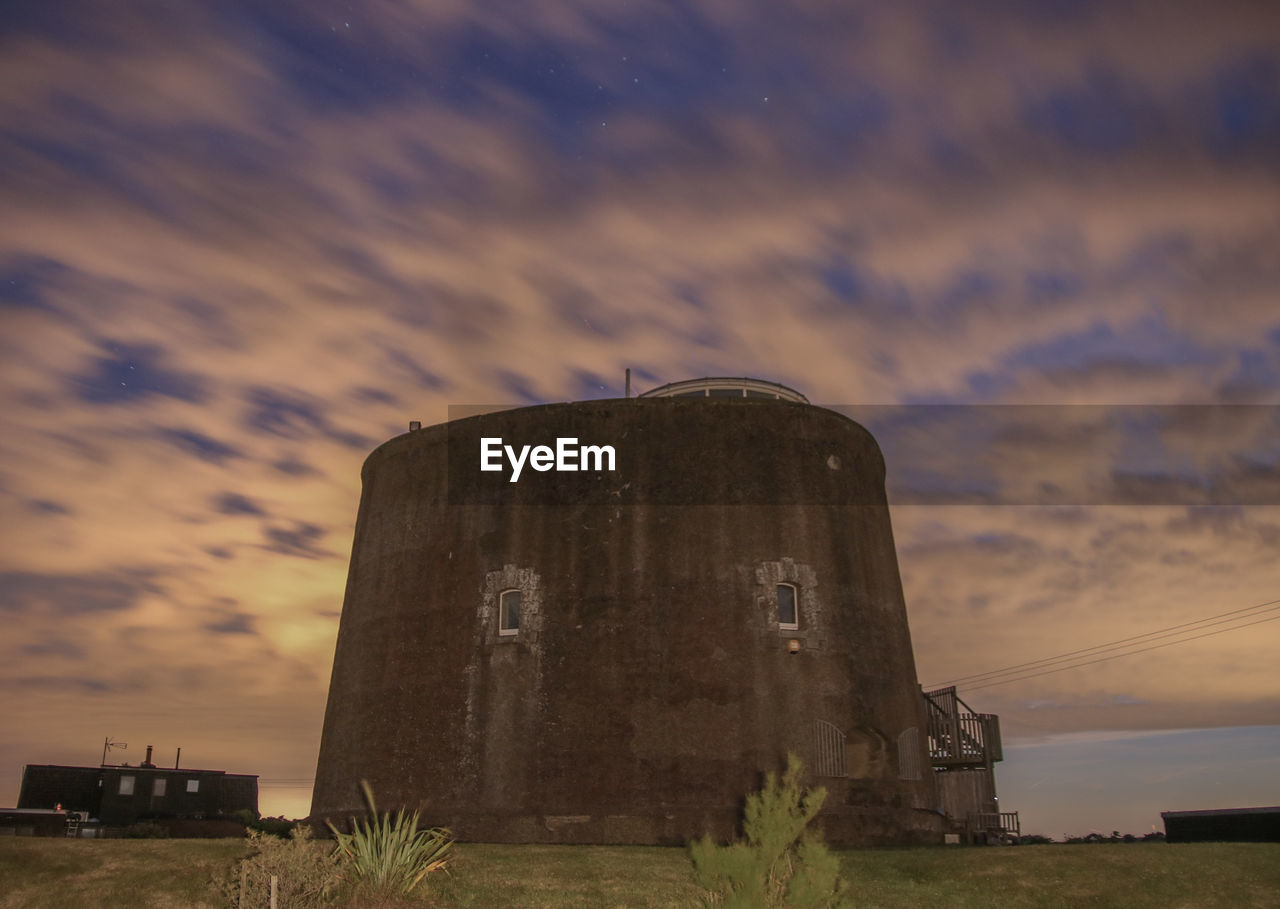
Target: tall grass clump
779	863
306	871
391	855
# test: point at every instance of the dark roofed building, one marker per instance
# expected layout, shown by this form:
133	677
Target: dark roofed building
121	795
33	822
1223	825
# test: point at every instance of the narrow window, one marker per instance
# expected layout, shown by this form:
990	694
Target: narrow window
126	785
158	787
509	612
193	785
787	617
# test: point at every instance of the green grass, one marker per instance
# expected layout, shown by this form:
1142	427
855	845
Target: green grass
40	872
553	876
166	874
1182	876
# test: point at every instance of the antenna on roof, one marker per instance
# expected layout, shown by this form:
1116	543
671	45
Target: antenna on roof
628	382
108	744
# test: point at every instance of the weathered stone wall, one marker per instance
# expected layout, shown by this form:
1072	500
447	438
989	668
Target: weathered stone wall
649	685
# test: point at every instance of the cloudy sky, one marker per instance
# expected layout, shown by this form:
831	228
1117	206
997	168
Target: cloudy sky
244	243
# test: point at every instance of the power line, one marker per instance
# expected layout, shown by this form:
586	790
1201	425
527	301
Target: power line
1185	627
1116	656
1205	622
285	782
1151	636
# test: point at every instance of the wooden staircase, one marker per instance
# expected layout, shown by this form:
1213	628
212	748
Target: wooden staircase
958	736
964	746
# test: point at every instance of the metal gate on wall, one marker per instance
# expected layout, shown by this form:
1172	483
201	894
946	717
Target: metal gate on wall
909	754
828	750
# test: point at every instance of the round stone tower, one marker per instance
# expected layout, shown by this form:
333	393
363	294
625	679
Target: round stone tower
611	639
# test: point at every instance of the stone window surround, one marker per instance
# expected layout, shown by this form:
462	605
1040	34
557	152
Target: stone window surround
506	579
810	608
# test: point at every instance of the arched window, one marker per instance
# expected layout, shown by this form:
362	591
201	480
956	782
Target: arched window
509	612
788	607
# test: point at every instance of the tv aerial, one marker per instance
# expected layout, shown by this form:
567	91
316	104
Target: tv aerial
108	744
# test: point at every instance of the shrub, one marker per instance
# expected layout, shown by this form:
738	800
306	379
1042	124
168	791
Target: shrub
306	870
145	830
277	826
779	863
391	856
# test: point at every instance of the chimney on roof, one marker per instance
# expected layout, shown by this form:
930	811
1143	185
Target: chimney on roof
146	762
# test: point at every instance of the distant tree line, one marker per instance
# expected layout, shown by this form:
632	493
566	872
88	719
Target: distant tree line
1035	839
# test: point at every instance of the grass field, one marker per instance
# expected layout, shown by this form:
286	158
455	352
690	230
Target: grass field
161	874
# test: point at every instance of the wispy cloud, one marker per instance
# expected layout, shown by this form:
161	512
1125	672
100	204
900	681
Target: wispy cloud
243	246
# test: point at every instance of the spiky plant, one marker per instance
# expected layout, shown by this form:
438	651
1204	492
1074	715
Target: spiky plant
391	853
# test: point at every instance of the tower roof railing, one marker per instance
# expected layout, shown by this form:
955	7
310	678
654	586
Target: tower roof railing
726	387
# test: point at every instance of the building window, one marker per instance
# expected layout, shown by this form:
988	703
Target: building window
787	599
509	612
158	787
126	785
193	785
